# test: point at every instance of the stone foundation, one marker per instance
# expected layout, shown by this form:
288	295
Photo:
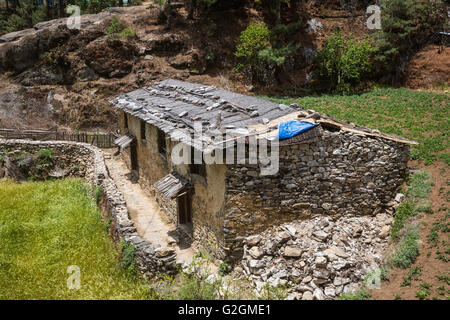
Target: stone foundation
341	173
320	258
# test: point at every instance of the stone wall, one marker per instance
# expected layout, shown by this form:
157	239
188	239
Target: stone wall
150	259
339	174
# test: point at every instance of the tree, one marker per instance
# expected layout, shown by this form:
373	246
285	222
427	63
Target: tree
407	26
343	61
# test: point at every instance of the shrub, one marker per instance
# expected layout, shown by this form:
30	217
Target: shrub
343	61
127	33
98	194
261	54
362	294
417	192
402	214
116	30
194	287
408	251
269	292
128	257
251	41
224	269
45	154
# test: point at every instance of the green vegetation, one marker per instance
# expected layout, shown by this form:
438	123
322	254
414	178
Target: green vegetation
196	282
260	52
445	277
408	251
402	214
116	30
362	294
413	274
98	194
443	226
128	257
49	226
416	194
406	26
420	116
343	61
441	256
425	292
224	269
45	155
20	14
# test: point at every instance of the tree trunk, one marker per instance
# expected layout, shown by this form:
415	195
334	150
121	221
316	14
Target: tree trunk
277	9
169	13
192	6
60	8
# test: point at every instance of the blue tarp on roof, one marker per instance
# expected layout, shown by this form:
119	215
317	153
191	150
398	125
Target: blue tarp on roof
292	128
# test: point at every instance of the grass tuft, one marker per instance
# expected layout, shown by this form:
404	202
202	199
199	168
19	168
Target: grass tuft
408	251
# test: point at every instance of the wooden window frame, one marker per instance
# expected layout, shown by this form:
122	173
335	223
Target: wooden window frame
198	169
125	120
162	143
143	130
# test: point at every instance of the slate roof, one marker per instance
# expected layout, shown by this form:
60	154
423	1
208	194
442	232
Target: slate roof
174	106
124	141
172	185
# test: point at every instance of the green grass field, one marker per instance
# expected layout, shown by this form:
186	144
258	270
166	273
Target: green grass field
46	227
421	116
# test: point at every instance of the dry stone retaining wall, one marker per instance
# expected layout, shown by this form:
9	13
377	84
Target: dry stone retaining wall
150	259
320	258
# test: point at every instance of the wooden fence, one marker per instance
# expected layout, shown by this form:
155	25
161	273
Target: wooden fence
101	140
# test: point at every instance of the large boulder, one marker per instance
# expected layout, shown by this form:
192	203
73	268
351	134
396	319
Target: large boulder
111	59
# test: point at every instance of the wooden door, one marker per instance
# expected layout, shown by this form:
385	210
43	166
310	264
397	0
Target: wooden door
134	158
184	209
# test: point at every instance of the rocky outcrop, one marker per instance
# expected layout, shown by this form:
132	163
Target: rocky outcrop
22	49
110	59
319	258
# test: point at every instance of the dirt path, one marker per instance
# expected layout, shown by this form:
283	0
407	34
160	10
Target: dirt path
430	266
145	212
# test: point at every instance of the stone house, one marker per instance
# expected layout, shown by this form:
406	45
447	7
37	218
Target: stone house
333	169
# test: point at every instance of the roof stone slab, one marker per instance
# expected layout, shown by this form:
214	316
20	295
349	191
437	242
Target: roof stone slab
174	106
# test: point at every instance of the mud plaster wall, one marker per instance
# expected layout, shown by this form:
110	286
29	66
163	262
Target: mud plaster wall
208	197
341	173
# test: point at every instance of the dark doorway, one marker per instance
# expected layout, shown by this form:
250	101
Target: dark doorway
184	210
134	158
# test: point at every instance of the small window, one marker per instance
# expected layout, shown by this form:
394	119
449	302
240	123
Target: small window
199	169
125	121
162	142
143	130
